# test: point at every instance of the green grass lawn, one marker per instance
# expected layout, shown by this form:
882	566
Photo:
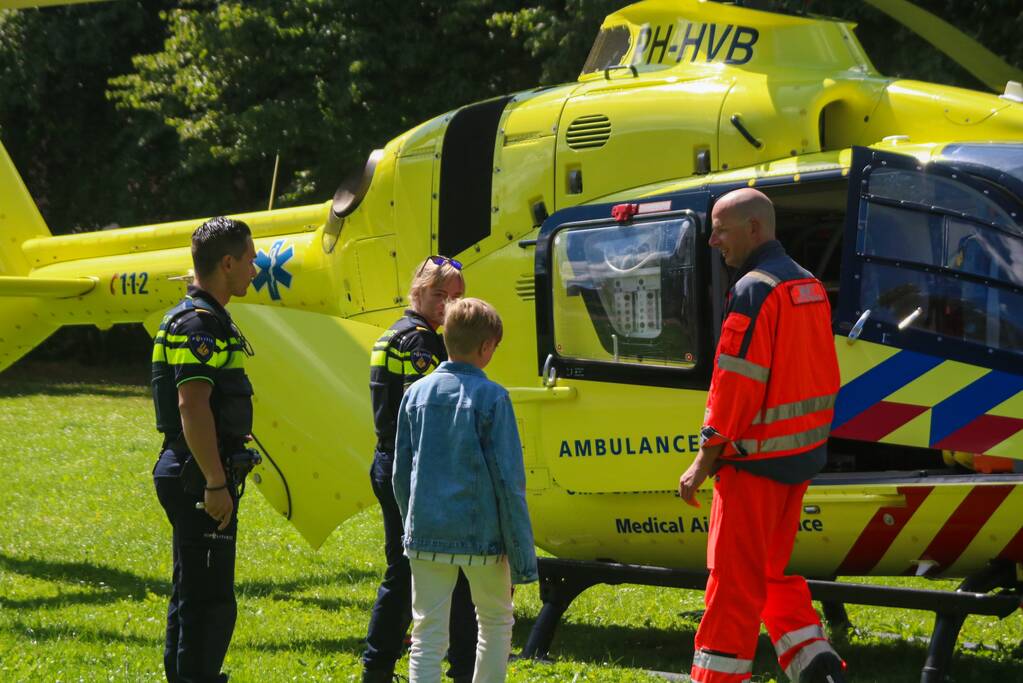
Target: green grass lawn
85	567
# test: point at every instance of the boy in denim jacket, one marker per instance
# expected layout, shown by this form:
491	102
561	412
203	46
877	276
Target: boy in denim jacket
461	487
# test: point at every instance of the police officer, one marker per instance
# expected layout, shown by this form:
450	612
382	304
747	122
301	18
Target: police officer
765	432
203	405
409	350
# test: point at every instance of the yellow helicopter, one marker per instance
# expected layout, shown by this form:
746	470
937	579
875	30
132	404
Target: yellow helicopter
581	211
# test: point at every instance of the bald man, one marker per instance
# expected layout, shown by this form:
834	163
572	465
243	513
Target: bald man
764	436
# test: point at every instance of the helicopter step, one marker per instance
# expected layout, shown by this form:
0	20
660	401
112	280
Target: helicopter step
561	581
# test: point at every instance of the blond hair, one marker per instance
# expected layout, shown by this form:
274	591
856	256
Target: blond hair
428	276
468	323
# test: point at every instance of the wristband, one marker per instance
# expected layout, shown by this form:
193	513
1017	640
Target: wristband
216	488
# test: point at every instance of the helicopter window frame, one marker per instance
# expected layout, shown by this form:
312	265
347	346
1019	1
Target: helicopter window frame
970	157
984	189
692	376
862	269
605	52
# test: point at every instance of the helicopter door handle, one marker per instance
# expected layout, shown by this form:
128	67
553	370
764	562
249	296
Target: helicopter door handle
630	67
550	373
744	131
522	395
857	329
908	320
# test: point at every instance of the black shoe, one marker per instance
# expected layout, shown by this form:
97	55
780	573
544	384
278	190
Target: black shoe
824	668
377	676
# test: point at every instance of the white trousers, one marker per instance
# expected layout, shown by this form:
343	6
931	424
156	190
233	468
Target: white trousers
432	584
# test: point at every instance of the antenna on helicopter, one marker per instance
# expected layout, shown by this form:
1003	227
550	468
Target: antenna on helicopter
273	182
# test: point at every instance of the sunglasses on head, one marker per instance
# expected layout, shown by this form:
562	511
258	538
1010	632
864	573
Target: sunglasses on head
439	261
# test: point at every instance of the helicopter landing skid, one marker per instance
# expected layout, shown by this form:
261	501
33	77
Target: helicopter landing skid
561	581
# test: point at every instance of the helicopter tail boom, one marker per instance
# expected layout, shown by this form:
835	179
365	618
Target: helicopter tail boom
104	277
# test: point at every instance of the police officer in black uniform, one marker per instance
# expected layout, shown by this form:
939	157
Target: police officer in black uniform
203	405
409	350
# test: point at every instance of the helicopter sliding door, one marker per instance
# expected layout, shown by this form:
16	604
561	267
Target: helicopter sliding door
621	313
931	308
619	307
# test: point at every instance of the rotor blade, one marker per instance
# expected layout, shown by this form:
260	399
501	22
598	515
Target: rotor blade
988	67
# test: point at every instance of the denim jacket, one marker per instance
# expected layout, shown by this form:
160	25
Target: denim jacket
458	473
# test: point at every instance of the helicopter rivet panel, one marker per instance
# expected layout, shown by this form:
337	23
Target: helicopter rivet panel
129	286
293	271
371	262
992	532
299	407
424	138
370	233
950	525
414	209
20	219
465	204
524	157
47	251
832	162
652	132
775	116
37	323
929	112
941	524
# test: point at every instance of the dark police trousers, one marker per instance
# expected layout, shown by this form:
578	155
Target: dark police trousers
392	612
202	610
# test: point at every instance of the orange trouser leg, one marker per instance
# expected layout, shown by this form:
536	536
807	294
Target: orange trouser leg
746	514
788	612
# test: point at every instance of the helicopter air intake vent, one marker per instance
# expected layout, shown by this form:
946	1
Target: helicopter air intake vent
525	287
588	132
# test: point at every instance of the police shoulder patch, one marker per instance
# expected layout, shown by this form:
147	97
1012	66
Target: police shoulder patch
203	346
421	360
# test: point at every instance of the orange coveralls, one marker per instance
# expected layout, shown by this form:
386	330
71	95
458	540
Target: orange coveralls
770	404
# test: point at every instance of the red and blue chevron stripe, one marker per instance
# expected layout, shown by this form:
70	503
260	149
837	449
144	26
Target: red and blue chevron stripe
960	421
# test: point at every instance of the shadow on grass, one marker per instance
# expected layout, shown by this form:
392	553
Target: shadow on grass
316	646
135	375
647	648
80	635
117	584
17	388
638	647
277	590
62	600
672	651
903	661
337	604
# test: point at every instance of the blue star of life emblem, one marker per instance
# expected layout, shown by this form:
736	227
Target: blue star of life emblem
271	269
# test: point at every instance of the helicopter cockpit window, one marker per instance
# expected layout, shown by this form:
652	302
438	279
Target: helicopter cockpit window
942	193
625	294
945	259
1007	158
610	47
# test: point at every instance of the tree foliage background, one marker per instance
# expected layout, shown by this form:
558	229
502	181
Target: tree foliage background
139	111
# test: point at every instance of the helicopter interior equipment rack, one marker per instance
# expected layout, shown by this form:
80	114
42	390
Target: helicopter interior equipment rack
561	581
